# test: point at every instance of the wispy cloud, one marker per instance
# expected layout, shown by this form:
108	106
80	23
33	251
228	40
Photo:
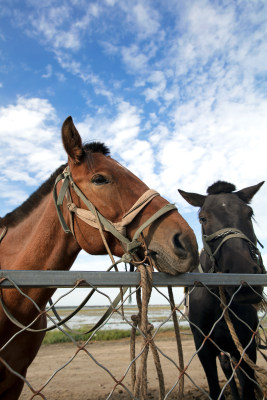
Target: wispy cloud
58	27
48	72
142	18
177	91
30	140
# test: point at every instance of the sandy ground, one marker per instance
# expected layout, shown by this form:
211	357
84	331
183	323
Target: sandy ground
83	379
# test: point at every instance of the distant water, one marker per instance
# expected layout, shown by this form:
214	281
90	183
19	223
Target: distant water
89	316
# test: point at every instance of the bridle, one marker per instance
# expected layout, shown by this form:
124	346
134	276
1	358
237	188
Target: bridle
92	216
227	234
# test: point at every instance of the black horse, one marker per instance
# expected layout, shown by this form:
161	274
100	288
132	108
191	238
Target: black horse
225	214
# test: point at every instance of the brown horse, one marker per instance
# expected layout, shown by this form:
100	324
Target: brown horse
35	240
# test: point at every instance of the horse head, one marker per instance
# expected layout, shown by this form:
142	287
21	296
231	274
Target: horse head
119	204
230	244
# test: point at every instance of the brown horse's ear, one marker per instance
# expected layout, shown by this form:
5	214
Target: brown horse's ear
247	193
72	141
196	200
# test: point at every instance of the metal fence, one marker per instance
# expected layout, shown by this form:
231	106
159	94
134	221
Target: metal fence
135	377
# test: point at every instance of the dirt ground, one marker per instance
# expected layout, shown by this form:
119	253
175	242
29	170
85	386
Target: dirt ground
83	379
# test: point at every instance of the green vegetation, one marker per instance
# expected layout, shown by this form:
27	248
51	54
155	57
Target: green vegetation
57	336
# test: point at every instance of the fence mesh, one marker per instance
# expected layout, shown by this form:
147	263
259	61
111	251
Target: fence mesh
153	368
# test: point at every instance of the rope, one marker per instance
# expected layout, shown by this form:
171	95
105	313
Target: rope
139	378
100	228
179	344
258	370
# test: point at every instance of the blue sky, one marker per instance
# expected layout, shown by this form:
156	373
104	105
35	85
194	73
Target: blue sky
176	89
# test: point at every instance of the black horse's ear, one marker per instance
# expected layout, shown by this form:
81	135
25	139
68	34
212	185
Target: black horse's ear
196	200
247	194
72	141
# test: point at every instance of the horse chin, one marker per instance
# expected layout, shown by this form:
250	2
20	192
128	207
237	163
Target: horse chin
246	295
170	263
162	265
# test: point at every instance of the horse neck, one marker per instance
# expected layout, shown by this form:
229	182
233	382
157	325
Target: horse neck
38	243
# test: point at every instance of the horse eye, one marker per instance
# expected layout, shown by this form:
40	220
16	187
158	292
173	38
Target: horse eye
202	220
99	180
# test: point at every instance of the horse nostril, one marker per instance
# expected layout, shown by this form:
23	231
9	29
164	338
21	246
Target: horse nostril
178	246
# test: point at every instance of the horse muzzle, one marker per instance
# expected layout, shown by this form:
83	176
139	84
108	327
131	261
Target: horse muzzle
180	257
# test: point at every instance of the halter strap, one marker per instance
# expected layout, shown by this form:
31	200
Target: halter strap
90	218
4	231
91	215
226	234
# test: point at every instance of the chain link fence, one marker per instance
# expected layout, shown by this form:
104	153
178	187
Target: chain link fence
154	368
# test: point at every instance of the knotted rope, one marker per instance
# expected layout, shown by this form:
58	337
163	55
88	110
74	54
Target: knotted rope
139	378
259	371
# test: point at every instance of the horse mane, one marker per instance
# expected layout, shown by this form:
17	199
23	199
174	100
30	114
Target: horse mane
21	212
221	187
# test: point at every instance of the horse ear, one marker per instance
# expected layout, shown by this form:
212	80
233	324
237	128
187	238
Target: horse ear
196	200
72	141
247	193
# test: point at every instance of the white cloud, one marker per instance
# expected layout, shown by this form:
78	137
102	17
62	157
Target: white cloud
30	137
213	25
117	130
111	2
146	19
12	196
49	71
217	143
127	120
109	47
22	118
135	60
158	80
61	77
57	27
141	18
121	133
87	76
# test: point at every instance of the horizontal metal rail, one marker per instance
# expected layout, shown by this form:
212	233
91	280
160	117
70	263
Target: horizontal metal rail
67	279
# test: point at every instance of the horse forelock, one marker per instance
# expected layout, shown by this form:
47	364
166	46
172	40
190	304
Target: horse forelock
221	187
96	147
